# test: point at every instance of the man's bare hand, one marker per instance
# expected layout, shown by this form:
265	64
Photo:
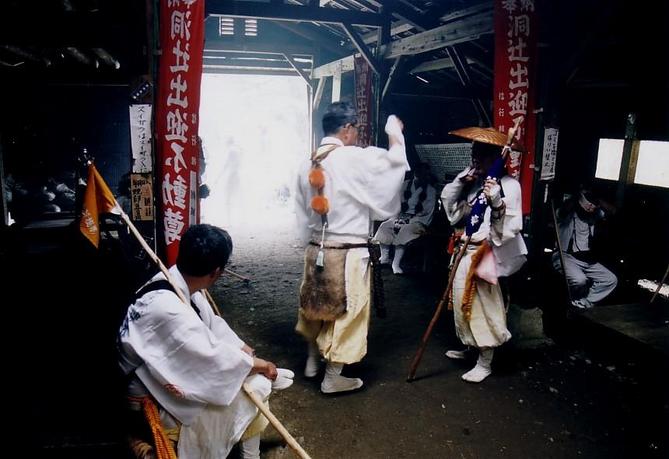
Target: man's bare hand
265	368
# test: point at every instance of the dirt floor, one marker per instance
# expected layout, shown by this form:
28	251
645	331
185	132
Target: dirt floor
556	401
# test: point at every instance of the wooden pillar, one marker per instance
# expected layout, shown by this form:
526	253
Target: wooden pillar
628	163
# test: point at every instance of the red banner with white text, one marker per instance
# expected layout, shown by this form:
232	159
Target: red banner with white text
363	100
178	105
515	84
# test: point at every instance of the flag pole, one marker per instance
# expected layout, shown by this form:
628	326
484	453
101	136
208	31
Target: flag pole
212	302
290	440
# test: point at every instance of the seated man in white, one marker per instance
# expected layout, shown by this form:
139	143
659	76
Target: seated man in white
418	201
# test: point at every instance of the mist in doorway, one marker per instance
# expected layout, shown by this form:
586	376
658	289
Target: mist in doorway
255	131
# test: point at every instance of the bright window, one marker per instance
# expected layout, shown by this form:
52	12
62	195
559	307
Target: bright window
609	157
652	167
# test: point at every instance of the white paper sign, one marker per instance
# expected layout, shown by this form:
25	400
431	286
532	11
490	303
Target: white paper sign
140	138
549	158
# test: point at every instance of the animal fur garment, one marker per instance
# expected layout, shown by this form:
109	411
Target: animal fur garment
323	290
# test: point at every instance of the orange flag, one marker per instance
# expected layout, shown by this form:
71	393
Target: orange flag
98	199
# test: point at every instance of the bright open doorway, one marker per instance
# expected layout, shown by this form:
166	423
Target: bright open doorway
255	130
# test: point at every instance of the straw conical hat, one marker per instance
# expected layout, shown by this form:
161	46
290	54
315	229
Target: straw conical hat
485	135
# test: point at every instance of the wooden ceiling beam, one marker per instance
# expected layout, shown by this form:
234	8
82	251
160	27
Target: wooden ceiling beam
362	47
449	34
290	13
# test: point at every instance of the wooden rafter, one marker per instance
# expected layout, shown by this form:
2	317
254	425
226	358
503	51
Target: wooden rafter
460	31
291	13
362	47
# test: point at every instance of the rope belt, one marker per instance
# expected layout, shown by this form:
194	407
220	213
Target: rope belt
340	245
161	441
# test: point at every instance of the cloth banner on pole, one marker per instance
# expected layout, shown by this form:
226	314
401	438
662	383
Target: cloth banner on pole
515	84
177	112
363	100
98	199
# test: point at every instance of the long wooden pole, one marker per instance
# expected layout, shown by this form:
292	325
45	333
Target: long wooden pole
238	276
659	285
559	244
254	398
212	302
440	306
294	445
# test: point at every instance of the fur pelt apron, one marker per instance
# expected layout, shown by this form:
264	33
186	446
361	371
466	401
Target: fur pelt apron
335	302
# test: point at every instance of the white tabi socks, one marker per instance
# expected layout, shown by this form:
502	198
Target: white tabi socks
334	382
385	254
250	448
483	367
456	355
399	253
313	361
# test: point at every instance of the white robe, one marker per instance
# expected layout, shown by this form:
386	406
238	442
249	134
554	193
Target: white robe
487	325
362	185
192	366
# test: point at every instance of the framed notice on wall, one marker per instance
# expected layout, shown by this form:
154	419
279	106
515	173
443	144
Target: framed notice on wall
141	192
548	160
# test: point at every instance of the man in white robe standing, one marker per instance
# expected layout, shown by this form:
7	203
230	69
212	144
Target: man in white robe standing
190	361
340	191
478	305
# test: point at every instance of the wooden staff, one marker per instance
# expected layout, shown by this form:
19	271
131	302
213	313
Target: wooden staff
423	343
238	276
294	445
212	302
659	286
559	244
254	398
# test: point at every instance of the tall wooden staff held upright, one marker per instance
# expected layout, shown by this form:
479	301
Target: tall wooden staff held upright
486	135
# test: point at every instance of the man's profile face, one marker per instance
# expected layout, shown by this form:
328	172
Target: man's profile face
482	164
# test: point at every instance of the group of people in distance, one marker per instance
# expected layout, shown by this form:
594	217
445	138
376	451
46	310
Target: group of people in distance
194	365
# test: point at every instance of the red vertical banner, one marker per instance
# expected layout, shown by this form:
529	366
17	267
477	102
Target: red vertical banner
515	84
363	100
178	105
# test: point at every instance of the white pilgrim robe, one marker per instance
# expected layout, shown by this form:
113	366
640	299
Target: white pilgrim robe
361	185
487	325
194	367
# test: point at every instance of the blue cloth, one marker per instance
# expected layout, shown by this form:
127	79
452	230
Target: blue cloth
481	204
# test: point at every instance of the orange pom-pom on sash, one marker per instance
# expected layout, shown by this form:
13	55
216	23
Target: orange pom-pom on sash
320	205
317	178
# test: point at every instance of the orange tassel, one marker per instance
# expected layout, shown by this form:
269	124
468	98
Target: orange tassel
320	205
317	178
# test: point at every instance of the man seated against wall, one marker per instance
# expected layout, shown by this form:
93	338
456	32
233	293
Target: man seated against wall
418	202
578	218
